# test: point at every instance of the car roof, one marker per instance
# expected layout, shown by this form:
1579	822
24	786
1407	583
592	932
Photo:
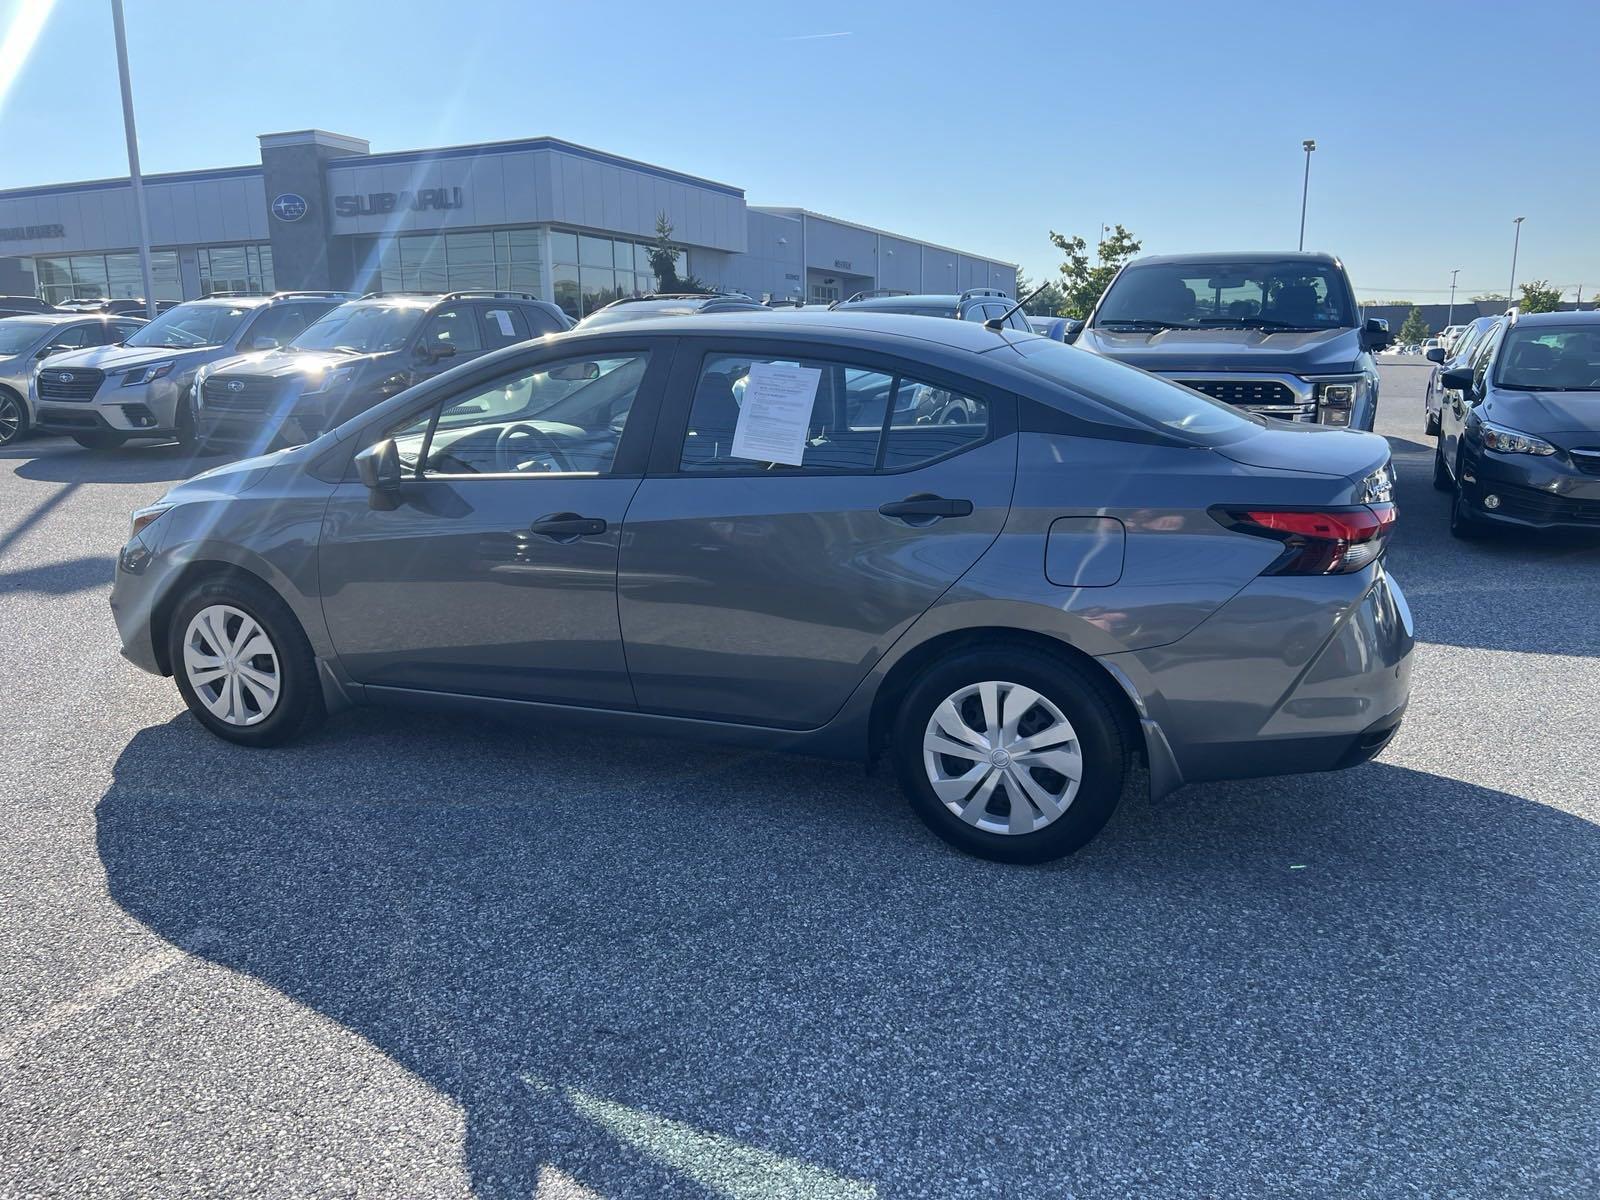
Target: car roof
59	318
925	299
1559	318
1238	256
861	329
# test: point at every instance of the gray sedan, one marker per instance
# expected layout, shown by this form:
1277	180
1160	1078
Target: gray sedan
730	527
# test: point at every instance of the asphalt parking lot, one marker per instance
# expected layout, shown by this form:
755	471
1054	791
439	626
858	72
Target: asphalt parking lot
431	957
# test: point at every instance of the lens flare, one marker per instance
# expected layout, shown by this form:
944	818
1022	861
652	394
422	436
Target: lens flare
17	41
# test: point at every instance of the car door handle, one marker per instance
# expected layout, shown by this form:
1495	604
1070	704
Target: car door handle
568	526
924	505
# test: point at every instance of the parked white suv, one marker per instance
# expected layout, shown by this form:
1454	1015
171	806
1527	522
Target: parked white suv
104	396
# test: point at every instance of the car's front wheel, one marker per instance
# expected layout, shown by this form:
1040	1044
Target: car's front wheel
243	664
13	417
1010	754
1441	473
1463	523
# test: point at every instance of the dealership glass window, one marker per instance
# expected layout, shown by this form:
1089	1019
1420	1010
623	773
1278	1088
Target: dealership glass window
589	271
245	269
505	259
91	276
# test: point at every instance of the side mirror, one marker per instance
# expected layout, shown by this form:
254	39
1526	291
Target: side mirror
264	342
1435	354
437	350
378	468
1457	381
47	351
1073	329
1375	334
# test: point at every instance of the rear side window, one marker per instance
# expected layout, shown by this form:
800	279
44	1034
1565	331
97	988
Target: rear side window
860	419
502	326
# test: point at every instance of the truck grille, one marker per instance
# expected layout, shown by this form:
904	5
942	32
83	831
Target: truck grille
1246	393
241	393
75	384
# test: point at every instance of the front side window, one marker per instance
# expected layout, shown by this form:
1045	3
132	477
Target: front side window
1285	295
859	419
454	327
75	338
191	325
1485	355
282	323
562	418
363	327
1550	358
18	333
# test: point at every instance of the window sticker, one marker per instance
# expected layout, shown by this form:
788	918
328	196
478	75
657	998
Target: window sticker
775	413
503	319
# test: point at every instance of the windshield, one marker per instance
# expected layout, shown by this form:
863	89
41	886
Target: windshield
1148	399
191	325
362	328
1550	358
1262	295
18	333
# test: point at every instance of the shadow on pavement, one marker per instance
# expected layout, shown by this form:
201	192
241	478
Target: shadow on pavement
60	578
658	969
56	460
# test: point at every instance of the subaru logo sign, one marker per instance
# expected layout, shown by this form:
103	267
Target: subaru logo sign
64	377
289	207
236	385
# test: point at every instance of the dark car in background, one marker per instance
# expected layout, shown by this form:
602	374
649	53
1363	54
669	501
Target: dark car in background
974	304
1519	431
1092	567
13	306
673	304
1276	333
357	355
1455	353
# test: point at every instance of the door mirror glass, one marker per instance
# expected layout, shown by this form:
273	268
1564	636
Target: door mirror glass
378	468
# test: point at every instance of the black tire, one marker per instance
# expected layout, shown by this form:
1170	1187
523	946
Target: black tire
13	417
1101	742
184	423
99	441
1441	473
299	707
1430	423
1463	524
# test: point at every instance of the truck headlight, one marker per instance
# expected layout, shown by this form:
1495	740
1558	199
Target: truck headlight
1337	399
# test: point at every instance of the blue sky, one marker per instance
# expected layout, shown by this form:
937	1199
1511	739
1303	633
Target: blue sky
978	126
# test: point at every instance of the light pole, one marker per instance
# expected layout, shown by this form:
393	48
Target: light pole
1309	144
1451	319
1511	292
134	178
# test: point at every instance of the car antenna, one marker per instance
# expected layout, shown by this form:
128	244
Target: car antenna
999	323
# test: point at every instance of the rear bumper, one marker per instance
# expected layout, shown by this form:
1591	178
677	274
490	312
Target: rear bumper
1291	675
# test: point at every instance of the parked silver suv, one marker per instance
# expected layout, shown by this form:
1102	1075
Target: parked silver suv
143	388
728	527
26	341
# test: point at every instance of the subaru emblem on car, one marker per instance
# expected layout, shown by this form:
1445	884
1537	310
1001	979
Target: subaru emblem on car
64	377
236	385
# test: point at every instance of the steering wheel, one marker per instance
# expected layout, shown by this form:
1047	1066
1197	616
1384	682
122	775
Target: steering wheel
510	447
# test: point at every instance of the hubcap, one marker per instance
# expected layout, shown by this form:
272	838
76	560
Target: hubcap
10	419
1002	757
232	665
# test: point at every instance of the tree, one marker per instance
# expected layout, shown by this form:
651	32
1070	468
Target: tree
1494	297
1389	304
664	261
1539	296
1047	303
1415	329
1082	281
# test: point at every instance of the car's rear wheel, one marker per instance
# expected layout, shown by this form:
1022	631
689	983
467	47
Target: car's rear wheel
13	417
1010	754
1441	473
243	664
99	441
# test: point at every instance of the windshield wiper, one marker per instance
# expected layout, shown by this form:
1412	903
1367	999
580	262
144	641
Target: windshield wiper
1258	323
1141	323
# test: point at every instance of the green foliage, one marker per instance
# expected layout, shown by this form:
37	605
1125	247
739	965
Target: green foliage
1388	304
1047	303
664	262
1415	329
1538	296
1496	297
1082	280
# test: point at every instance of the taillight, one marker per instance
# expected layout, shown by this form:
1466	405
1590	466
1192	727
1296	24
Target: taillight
1317	541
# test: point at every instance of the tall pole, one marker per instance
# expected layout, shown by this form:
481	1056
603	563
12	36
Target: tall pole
1451	319
1305	186
1511	292
134	177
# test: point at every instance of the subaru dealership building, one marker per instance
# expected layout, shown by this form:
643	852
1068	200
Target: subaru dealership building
561	221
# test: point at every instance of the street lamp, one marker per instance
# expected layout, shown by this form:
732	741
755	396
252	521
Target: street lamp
1511	292
1451	319
1309	145
135	179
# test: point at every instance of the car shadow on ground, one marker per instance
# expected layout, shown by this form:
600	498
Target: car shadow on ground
60	578
58	460
663	970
